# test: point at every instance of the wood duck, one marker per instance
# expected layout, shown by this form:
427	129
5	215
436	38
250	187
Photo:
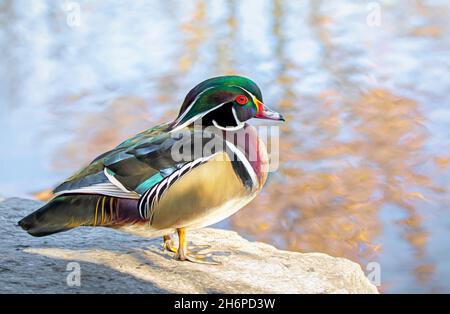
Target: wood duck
190	173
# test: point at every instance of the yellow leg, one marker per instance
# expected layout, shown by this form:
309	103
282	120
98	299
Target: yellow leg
168	244
182	254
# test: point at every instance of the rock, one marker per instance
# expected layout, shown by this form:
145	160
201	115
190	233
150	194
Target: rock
116	262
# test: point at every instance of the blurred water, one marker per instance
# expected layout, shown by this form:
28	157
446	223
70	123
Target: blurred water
365	154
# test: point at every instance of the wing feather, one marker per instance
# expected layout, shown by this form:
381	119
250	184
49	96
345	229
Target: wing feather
135	167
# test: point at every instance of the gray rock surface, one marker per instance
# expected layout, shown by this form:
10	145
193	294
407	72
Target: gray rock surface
116	262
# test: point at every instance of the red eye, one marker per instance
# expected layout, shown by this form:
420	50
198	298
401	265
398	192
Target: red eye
241	99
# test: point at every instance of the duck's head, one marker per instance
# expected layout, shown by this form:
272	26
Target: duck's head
225	102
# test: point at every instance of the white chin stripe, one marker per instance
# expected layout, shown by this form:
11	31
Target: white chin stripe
231	128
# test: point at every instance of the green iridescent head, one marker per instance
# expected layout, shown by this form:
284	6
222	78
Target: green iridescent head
225	102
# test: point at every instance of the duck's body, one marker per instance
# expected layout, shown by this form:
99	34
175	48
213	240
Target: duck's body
173	177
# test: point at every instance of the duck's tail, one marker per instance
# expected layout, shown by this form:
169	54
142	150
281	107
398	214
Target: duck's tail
73	210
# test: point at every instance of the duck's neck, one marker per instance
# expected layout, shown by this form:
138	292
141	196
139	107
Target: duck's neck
254	167
254	150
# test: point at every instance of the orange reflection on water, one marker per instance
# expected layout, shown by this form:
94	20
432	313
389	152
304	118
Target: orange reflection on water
335	209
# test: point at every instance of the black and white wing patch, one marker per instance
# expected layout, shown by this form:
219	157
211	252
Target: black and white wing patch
151	197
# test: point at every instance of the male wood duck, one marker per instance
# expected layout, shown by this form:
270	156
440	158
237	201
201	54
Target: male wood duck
144	186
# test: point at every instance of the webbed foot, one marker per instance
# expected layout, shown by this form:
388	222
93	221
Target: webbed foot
168	244
182	254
